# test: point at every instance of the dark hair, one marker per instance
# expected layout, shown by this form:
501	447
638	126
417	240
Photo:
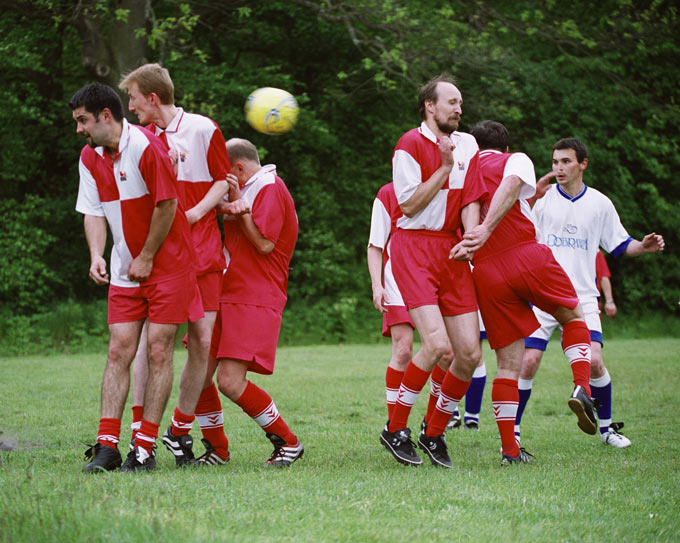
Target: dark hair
95	97
573	143
429	91
491	135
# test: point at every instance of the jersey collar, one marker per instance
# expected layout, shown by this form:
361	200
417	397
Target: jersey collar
572	198
174	124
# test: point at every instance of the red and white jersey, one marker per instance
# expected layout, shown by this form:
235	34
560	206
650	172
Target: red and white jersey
251	277
386	212
601	268
125	190
416	158
575	227
202	160
517	226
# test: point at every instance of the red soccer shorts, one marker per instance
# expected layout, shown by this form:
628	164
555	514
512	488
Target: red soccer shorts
396	314
249	333
509	282
210	285
426	276
173	301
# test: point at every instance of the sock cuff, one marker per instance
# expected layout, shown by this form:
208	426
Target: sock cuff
601	381
524	384
438	374
507	382
479	372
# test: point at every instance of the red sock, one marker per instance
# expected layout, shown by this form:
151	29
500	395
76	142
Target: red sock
146	436
392	382
452	390
413	382
576	346
137	412
211	420
108	434
260	407
181	423
505	399
436	380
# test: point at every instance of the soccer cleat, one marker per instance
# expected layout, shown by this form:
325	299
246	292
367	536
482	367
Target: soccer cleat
284	455
210	457
435	447
454	421
180	446
471	424
614	438
582	406
522	458
103	459
139	460
400	445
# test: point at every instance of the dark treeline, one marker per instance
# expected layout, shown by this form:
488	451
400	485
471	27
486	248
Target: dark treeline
604	72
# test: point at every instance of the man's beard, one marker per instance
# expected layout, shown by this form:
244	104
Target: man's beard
451	125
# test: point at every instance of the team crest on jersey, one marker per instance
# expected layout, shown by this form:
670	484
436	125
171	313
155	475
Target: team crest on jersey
123	176
570	229
461	166
182	156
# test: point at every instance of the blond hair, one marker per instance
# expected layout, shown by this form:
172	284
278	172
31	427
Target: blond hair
151	78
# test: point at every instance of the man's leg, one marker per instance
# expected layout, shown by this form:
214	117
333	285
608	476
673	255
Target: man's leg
436	380
140	373
531	361
257	404
402	350
474	397
210	418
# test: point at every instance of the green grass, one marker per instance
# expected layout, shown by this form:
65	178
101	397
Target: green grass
347	487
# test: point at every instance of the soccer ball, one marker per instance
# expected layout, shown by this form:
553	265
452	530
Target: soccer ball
271	111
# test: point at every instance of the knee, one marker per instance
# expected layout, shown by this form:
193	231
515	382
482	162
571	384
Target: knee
231	388
446	358
530	364
120	353
403	351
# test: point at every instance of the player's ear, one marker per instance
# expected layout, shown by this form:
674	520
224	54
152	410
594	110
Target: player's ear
584	164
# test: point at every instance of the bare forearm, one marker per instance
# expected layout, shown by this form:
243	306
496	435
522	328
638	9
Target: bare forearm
425	192
606	286
208	202
161	222
262	244
374	258
95	234
469	215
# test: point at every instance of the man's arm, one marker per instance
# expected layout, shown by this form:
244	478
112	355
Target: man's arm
427	190
374	257
95	234
209	201
161	221
474	238
542	186
262	244
607	292
651	243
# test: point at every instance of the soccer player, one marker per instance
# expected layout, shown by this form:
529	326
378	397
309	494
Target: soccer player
438	186
202	165
127	181
260	245
604	285
574	221
511	271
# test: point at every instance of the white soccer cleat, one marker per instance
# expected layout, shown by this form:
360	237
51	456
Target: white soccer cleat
613	438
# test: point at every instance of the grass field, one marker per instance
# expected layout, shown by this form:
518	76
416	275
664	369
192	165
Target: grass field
347	487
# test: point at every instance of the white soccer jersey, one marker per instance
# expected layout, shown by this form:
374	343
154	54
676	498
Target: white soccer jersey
575	228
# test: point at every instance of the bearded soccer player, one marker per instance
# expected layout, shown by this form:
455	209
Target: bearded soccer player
574	221
127	181
511	272
438	186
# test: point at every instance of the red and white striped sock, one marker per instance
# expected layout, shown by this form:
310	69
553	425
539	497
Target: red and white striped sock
146	436
211	420
108	434
576	346
181	423
137	414
436	380
258	405
452	391
413	382
505	399
392	382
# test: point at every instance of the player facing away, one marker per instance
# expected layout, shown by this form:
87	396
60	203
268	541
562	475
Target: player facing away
202	165
574	221
127	181
511	272
387	299
259	246
438	186
604	285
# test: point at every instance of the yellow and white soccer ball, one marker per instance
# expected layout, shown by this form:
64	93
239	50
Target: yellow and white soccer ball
271	111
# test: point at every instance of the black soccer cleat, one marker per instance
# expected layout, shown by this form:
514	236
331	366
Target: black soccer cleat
210	457
582	406
180	446
284	455
400	446
102	459
454	421
435	447
139	460
522	458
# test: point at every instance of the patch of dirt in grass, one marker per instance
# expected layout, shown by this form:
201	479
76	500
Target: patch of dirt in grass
12	443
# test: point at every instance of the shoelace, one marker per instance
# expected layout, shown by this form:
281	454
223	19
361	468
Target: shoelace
617	427
523	451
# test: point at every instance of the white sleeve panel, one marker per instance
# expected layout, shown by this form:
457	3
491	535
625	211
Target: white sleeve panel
520	165
88	202
613	233
405	174
381	225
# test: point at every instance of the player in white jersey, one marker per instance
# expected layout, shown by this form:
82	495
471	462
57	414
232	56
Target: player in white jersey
575	220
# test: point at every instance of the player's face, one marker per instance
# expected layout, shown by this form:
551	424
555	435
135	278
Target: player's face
90	127
140	105
448	107
566	167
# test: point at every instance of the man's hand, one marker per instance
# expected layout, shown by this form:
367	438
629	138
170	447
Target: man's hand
192	216
446	148
98	271
238	207
653	243
610	309
379	298
543	185
140	269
